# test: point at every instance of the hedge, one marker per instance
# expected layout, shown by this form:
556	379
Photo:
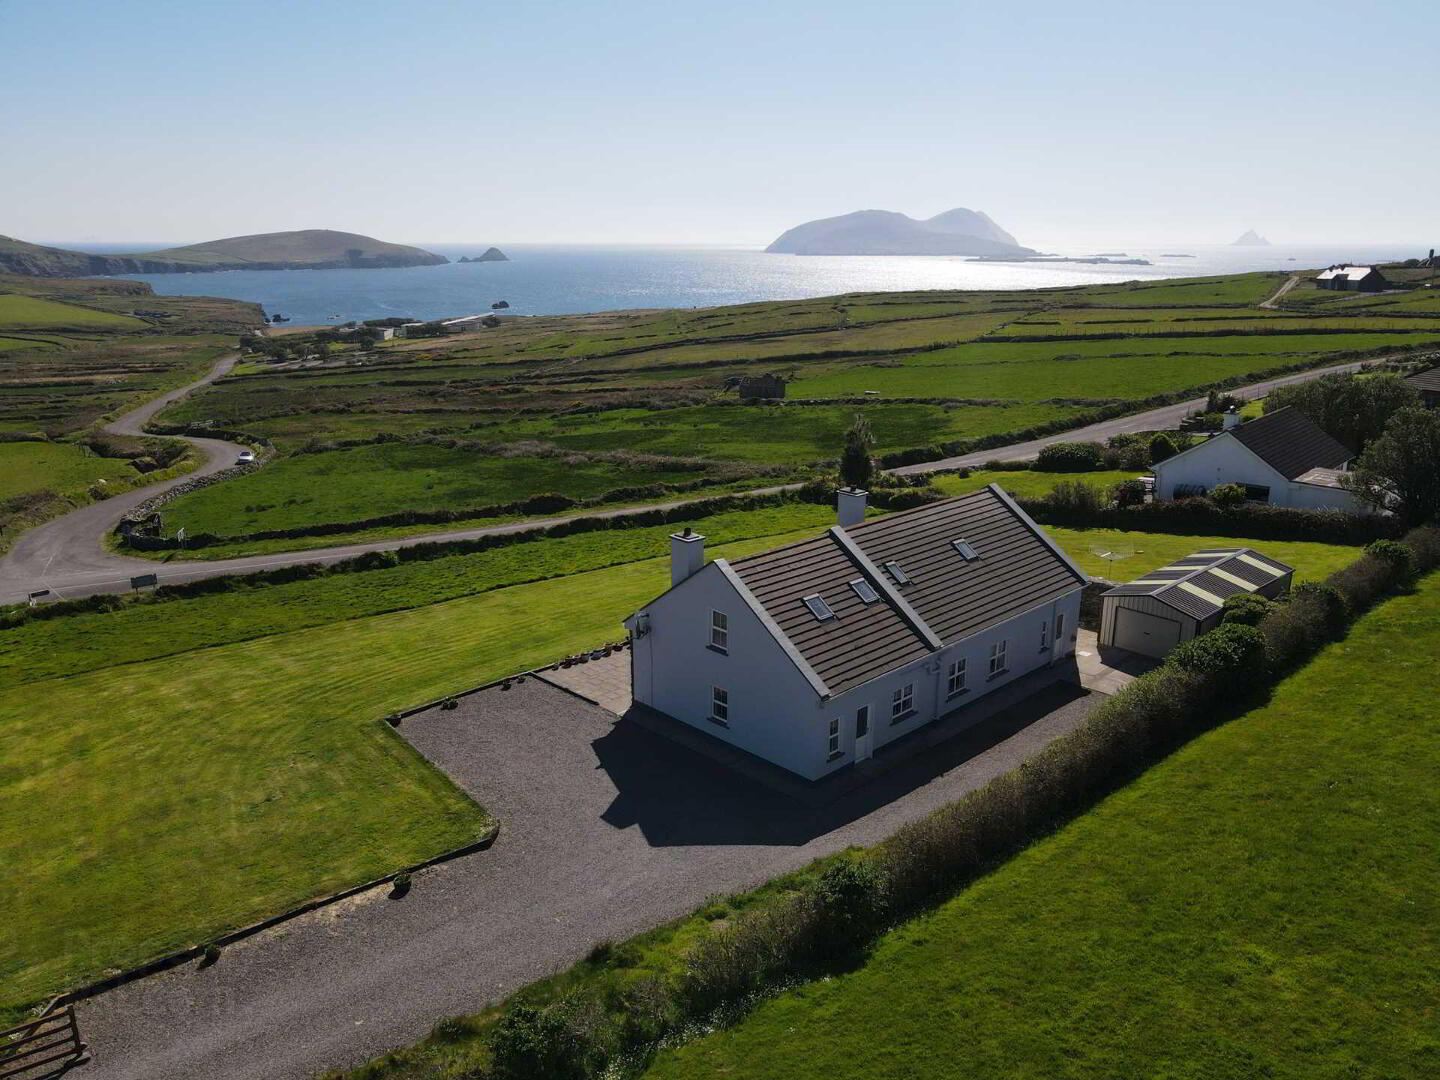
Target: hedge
828	923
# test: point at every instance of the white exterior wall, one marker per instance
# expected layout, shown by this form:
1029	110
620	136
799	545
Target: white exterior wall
773	709
1316	497
929	676
1219	460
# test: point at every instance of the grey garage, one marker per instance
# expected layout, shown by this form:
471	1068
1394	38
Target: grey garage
1153	614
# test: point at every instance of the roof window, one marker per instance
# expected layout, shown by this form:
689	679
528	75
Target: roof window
901	578
818	607
965	549
864	590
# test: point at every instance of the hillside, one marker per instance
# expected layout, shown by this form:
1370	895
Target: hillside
885	232
306	249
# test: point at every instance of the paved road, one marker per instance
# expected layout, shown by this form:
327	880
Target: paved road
65	554
68	557
607	830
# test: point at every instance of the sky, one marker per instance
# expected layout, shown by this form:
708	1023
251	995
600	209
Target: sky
645	121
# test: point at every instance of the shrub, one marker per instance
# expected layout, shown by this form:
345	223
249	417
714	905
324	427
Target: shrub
1077	497
1228	496
1399	555
1228	658
1246	609
449	703
848	899
1128	493
1134	456
1424	544
1162	448
536	1044
1071	457
1326	601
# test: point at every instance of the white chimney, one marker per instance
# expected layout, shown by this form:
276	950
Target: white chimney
687	555
850	506
1230	419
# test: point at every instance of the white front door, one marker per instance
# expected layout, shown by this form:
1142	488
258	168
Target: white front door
863	739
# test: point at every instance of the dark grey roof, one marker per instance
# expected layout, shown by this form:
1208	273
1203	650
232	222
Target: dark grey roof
1199	583
948	598
1291	443
1426	380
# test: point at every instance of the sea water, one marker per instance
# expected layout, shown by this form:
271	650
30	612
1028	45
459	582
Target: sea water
554	280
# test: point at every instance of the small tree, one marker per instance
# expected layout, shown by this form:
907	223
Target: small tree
1128	492
1353	410
1398	470
1226	496
1247	609
1162	448
857	467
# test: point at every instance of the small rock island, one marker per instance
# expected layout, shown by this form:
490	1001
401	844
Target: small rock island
493	254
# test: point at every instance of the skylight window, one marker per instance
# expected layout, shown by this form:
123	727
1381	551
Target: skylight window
818	607
965	549
901	578
864	590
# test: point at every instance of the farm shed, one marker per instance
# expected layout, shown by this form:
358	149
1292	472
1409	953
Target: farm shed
1153	614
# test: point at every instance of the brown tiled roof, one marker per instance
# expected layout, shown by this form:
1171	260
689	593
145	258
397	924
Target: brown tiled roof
1426	380
1291	443
948	597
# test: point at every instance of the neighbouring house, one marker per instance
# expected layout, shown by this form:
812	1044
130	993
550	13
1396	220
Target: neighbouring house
816	655
385	332
1153	614
1282	458
754	387
1428	384
404	329
464	323
1351	279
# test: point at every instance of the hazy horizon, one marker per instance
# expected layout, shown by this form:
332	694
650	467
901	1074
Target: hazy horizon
649	123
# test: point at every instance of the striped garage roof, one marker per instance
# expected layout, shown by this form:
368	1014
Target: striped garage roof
1199	583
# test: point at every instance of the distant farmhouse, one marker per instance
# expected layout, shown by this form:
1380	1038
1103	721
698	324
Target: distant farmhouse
816	655
1282	458
1352	279
1428	384
756	387
448	326
1175	603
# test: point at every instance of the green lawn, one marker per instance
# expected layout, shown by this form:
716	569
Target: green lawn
369	481
155	804
60	467
1143	551
1261	904
34	313
1027	483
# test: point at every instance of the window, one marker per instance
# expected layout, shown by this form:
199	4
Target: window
834	738
864	590
720	631
720	706
965	549
997	657
1060	629
955	684
902	703
821	610
901	578
1044	634
1257	493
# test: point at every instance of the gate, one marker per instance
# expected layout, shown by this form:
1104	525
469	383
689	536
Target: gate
41	1048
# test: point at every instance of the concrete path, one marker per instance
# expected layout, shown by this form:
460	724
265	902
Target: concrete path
67	555
63	554
607	830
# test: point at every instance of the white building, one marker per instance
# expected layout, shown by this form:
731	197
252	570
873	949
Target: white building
1282	458
817	654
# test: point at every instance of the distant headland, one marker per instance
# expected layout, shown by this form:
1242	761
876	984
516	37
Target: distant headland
885	232
493	254
306	249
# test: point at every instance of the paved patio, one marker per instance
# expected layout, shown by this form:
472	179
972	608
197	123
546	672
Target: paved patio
1107	670
605	680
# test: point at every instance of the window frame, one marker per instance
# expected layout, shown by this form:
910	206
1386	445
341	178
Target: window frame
998	657
720	706
832	740
955	678
1044	635
719	631
902	703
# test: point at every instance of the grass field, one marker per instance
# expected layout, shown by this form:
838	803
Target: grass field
154	804
1312	561
60	467
369	481
34	313
1261	904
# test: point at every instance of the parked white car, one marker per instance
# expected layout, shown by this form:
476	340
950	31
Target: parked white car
247	457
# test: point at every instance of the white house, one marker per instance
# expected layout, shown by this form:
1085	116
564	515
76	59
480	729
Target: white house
817	654
1154	613
1282	458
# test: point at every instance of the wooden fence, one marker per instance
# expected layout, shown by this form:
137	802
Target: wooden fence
40	1048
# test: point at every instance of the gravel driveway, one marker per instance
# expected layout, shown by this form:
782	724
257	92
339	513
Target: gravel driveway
607	830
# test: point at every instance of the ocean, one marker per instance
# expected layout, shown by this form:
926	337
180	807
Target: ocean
555	280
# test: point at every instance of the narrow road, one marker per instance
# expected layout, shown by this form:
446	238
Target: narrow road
64	554
68	557
1274	301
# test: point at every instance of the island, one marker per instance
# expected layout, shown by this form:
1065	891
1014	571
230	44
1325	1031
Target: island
493	254
305	249
1250	238
885	232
